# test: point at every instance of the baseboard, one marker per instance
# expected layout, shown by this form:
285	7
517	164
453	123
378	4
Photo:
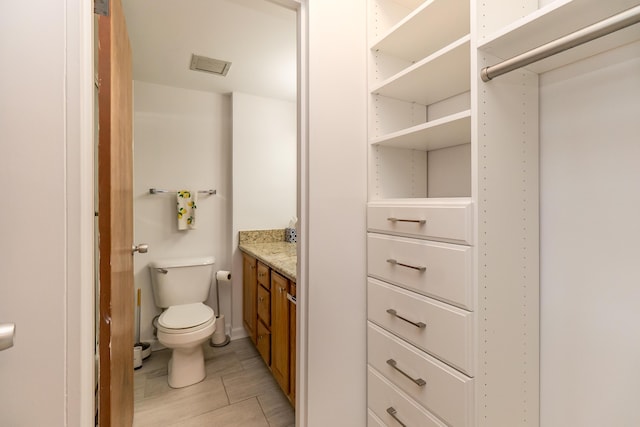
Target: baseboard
237	333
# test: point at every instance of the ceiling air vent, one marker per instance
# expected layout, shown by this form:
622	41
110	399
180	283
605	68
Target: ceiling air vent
209	65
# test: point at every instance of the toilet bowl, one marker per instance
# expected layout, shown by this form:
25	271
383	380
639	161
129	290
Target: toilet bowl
183	329
180	287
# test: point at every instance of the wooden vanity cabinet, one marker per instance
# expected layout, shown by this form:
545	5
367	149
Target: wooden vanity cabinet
270	320
249	293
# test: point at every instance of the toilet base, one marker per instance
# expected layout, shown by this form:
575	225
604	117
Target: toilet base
186	367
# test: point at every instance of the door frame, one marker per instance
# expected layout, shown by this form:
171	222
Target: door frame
80	362
80	369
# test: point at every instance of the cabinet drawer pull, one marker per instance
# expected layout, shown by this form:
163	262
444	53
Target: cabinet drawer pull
392	312
420	382
395	262
417	221
392	411
260	299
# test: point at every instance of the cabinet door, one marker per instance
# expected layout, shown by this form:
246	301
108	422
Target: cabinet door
280	330
249	289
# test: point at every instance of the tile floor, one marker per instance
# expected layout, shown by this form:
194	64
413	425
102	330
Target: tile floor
239	390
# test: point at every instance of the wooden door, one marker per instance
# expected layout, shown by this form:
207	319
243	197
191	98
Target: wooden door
280	330
115	224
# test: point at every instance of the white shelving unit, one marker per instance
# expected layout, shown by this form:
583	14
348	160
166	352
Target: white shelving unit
452	217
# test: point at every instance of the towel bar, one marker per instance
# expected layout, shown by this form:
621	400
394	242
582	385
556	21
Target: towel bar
159	191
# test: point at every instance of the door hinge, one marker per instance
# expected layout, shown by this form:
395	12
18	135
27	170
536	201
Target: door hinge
101	7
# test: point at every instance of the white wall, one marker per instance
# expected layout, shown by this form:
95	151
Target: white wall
182	140
590	228
264	175
46	244
337	156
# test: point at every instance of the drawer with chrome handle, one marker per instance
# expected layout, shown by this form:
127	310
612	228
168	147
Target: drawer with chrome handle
439	388
442	220
443	331
438	270
394	407
264	305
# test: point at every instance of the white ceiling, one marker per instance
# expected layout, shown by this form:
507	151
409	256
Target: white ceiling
256	36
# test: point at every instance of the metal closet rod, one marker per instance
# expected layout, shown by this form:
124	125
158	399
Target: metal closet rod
586	34
159	191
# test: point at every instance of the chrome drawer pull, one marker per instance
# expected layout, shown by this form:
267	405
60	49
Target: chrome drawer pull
392	312
417	221
420	382
392	411
395	262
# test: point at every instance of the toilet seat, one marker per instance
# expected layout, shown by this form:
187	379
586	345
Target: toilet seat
180	319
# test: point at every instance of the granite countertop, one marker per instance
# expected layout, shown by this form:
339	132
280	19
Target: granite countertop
269	247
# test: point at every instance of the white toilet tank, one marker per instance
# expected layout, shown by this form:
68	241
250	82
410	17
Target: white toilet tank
181	281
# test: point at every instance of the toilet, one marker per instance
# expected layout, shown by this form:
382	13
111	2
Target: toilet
180	287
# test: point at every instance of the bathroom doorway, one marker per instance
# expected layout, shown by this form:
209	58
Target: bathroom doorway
220	178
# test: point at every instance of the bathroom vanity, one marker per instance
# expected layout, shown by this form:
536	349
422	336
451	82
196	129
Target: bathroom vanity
269	303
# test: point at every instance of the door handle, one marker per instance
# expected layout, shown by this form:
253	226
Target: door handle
142	248
7	332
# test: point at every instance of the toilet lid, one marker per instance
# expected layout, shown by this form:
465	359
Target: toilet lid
185	316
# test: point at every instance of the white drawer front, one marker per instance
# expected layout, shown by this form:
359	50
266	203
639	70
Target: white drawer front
446	333
446	221
438	270
444	391
383	397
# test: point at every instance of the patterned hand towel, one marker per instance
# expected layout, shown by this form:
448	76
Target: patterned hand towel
187	201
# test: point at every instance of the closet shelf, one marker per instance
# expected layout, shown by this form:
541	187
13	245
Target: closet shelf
439	76
434	24
444	132
554	21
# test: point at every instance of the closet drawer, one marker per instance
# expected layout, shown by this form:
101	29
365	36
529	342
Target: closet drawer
441	330
264	305
446	221
445	391
383	398
438	270
373	420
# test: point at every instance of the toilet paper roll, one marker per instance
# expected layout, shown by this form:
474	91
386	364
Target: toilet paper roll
223	275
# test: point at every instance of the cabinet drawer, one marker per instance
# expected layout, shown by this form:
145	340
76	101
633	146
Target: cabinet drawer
263	275
383	398
263	342
373	420
445	392
446	221
264	305
441	330
439	270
